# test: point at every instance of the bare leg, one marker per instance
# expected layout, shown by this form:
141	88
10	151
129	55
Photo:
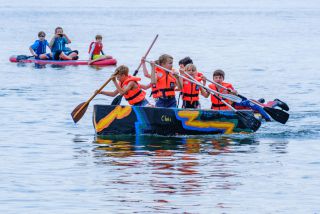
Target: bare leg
102	57
65	57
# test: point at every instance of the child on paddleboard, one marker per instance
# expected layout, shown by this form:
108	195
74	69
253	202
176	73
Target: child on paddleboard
58	46
128	86
38	49
96	51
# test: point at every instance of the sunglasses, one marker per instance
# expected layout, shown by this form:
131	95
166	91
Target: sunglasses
42	36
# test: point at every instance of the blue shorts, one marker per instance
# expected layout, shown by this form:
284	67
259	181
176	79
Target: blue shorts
48	55
167	102
142	103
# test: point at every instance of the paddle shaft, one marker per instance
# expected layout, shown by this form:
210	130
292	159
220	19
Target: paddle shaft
199	84
117	100
154	40
93	96
228	89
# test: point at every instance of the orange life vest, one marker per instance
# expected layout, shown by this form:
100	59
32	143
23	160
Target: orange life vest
165	84
190	91
216	103
97	48
136	95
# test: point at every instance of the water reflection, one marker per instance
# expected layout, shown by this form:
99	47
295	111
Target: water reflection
173	165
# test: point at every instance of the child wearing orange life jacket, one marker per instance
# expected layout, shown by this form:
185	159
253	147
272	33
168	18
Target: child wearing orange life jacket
187	60
190	91
218	77
163	83
128	86
96	51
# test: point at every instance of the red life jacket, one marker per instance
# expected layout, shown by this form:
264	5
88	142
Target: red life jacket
190	91
216	103
199	74
136	95
98	46
165	84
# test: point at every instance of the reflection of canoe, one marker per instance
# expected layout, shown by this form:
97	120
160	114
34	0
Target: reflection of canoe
109	119
104	62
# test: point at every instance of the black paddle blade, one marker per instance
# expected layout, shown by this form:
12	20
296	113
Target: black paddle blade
23	57
116	101
277	114
76	116
249	120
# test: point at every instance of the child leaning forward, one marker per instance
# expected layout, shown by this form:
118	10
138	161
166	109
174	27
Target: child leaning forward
128	86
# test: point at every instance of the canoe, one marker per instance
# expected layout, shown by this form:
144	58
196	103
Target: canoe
111	119
104	62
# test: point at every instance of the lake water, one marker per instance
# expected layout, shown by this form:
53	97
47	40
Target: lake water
268	49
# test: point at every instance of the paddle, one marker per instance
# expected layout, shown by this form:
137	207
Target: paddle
117	100
276	114
23	57
80	110
231	97
247	119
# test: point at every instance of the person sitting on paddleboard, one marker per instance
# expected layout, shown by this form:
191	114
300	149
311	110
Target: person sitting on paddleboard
216	104
38	49
163	83
96	51
58	46
190	91
128	86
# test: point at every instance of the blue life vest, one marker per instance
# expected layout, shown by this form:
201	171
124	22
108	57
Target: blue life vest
39	47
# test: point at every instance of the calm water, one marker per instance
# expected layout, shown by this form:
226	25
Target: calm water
51	165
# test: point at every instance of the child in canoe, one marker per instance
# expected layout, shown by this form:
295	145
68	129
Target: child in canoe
38	49
187	60
128	86
163	83
58	46
96	51
216	103
190	91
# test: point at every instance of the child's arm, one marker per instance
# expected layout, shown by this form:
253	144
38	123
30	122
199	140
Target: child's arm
179	83
68	40
32	51
91	51
52	40
102	52
124	90
110	93
153	74
144	67
204	92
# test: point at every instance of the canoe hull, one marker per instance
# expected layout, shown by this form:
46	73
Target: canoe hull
109	120
104	62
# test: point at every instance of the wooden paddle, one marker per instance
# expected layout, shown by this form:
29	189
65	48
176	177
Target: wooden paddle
247	119
118	98
81	109
276	114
